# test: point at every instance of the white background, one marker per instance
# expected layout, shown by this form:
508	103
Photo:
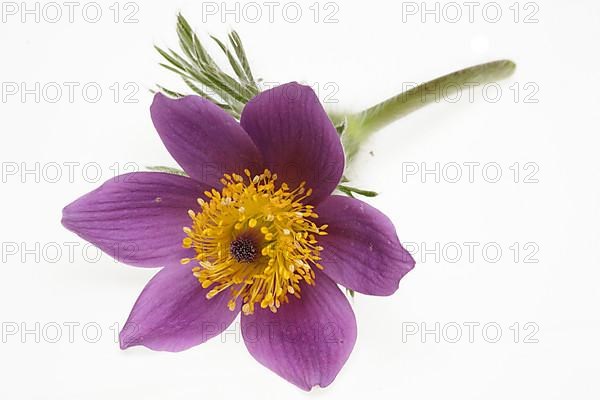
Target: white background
368	55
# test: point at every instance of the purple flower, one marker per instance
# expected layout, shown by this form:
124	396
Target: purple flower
254	228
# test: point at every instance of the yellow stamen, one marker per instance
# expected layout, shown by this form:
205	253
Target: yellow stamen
256	239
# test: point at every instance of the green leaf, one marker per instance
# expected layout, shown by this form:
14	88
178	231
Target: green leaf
204	77
238	47
168	170
237	68
168	92
350	191
341	127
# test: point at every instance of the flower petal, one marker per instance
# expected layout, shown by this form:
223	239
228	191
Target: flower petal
361	249
137	218
308	340
205	140
173	313
296	138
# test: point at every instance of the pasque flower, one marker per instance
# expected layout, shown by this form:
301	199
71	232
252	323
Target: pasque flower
253	229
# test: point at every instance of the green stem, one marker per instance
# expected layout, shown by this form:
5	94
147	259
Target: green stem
361	125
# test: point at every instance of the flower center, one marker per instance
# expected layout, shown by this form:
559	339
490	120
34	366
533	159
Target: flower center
256	239
243	249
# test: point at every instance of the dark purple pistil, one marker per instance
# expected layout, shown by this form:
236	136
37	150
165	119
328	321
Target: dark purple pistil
243	250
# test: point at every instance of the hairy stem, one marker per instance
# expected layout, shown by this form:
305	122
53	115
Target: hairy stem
361	125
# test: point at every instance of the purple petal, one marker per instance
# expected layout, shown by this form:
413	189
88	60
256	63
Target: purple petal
308	340
296	138
173	313
205	140
361	250
137	218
